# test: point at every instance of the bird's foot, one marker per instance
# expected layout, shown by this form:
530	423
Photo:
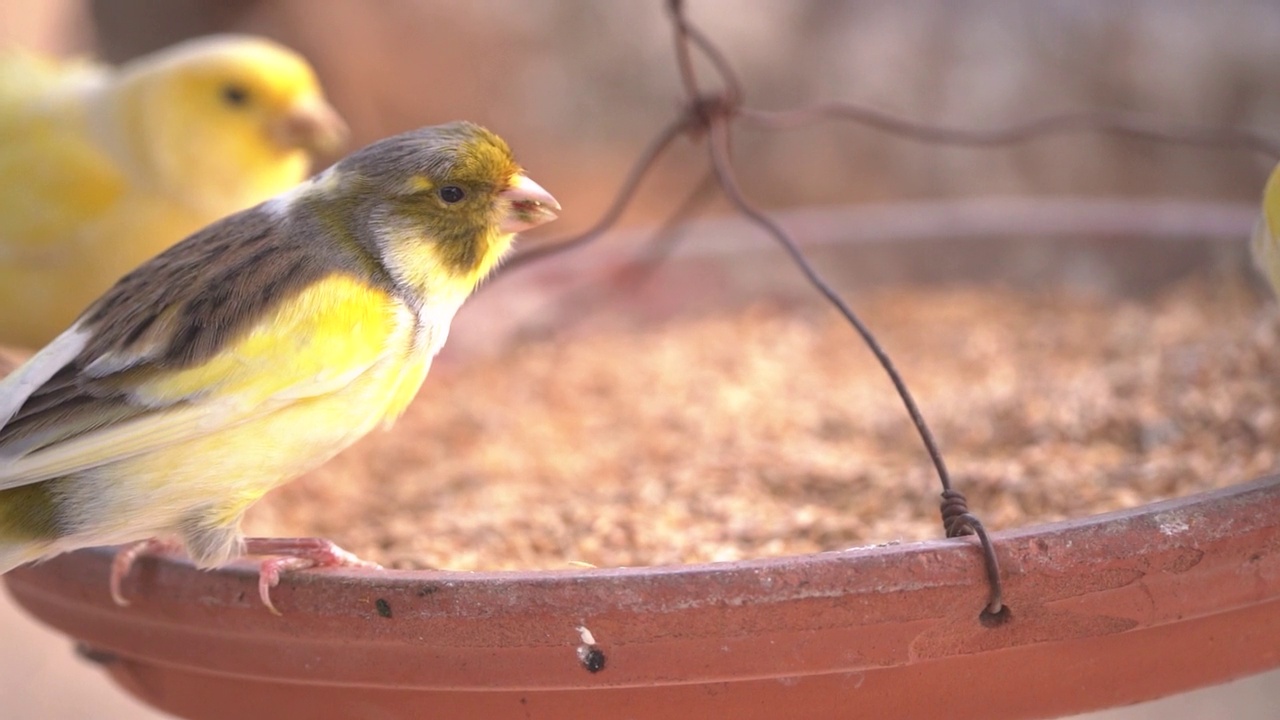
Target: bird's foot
127	556
296	554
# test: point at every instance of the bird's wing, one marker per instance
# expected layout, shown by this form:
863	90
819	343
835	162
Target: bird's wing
95	410
55	178
25	74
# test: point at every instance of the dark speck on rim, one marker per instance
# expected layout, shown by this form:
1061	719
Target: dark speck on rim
384	607
591	657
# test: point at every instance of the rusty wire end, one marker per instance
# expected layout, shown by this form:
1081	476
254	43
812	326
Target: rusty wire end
958	521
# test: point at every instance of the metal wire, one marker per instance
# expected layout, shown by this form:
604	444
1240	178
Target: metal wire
712	114
716	112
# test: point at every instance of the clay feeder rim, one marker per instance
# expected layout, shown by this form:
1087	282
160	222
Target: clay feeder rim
1122	571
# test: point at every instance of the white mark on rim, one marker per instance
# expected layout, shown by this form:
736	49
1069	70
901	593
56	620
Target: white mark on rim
1172	524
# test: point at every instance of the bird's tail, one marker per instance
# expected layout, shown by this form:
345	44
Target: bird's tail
28	524
14	554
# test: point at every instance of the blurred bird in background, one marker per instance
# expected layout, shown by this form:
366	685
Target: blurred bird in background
252	352
102	168
1266	233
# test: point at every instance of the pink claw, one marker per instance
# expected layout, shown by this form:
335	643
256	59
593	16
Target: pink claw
296	554
125	559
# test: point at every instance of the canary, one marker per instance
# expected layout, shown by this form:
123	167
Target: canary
1266	233
251	352
102	168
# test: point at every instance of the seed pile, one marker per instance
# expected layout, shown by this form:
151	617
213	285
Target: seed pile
773	432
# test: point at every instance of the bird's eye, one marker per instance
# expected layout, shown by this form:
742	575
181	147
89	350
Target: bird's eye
452	194
235	95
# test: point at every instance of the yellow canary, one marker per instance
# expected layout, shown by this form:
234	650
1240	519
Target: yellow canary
1266	233
253	351
102	168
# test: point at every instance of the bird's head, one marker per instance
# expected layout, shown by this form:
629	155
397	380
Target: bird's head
438	206
231	112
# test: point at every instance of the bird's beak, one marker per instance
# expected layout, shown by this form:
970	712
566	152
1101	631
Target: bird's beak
529	205
311	125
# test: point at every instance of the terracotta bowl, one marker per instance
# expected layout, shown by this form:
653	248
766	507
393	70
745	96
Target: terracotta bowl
1105	610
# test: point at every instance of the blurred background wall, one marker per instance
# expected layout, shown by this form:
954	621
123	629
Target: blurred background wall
578	86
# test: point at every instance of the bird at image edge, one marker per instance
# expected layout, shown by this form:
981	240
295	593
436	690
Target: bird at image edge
252	352
1266	233
102	168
